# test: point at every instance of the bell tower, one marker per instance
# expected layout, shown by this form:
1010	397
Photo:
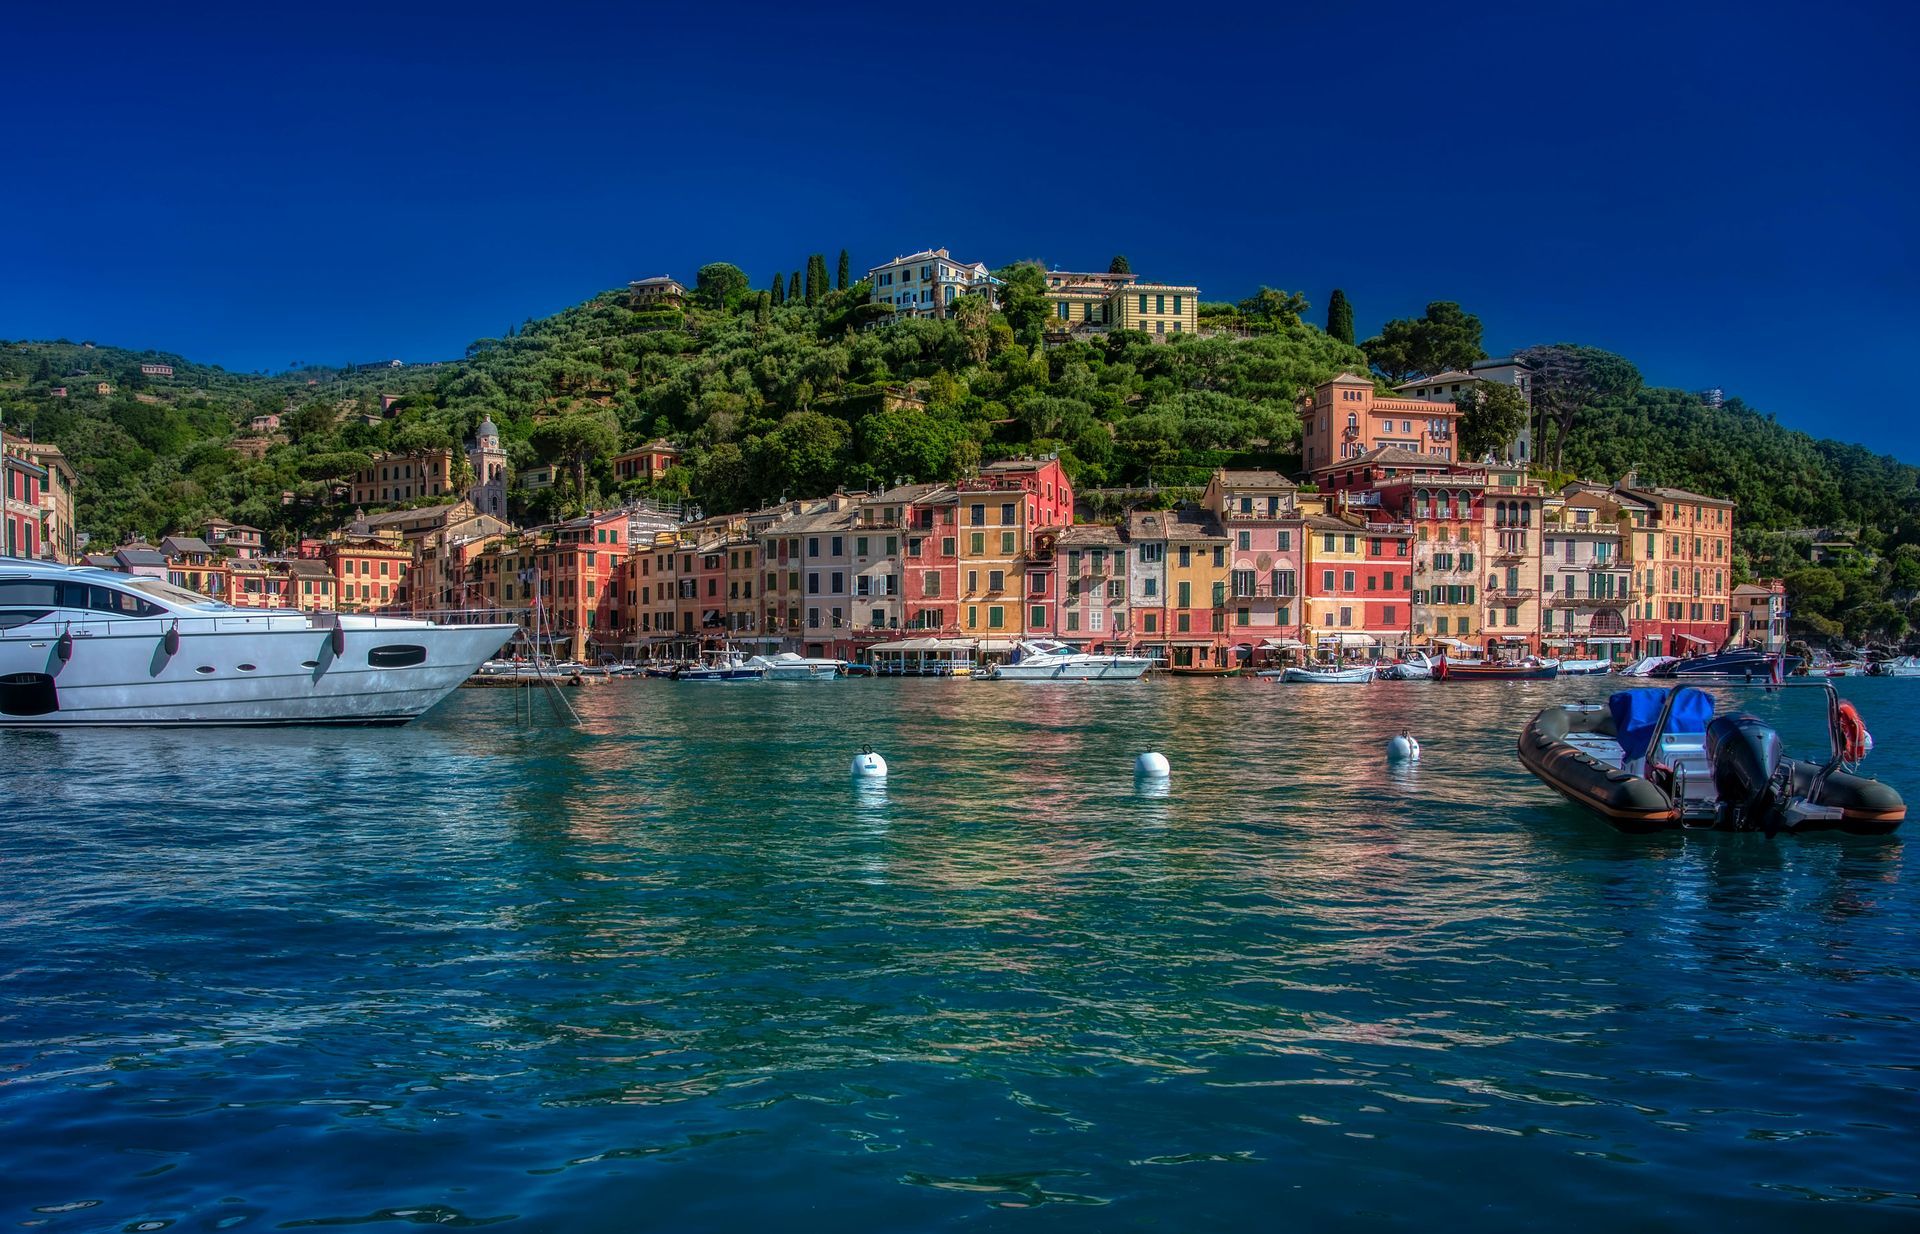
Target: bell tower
489	463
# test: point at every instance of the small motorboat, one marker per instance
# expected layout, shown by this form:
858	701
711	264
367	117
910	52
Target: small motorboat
720	666
1582	668
1898	666
788	666
1530	669
1044	659
1657	760
1741	662
1645	666
1326	674
1416	667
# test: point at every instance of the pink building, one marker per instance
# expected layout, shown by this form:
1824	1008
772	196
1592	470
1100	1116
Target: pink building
930	561
1265	533
1090	585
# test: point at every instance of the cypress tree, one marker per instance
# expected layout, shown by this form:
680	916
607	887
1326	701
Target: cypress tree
840	282
816	278
1119	265
793	288
1340	317
779	288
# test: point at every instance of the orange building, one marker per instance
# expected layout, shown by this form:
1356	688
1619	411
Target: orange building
1346	419
1681	555
370	574
649	463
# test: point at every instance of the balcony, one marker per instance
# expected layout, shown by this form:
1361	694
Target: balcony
1567	601
1509	595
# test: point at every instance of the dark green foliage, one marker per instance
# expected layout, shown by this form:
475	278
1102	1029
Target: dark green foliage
816	278
1339	317
1023	300
1491	416
719	285
1445	338
840	278
779	289
1119	265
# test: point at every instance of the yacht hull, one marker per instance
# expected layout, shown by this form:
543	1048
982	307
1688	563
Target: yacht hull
1131	669
233	671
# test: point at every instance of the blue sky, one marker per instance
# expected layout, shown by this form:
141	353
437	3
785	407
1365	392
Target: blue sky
1723	193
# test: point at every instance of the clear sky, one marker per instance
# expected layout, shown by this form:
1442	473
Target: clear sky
1723	193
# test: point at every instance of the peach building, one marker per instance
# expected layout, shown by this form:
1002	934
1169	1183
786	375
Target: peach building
1346	419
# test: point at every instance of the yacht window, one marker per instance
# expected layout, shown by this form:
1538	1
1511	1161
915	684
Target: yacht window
397	655
29	591
21	617
177	595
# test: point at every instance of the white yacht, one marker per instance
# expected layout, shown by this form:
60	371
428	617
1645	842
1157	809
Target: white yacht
86	646
787	666
1044	659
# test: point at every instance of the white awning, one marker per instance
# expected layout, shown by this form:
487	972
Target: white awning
1457	644
1693	638
1283	644
996	644
1510	638
1350	640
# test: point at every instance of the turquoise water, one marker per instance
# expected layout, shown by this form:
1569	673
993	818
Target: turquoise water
671	970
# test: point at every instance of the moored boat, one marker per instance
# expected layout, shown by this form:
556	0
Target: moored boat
1744	663
1416	667
1327	674
1582	668
1050	660
789	666
82	646
1495	670
1898	666
1655	760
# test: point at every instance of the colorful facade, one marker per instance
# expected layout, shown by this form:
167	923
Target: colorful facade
1346	418
1585	581
1265	534
1682	553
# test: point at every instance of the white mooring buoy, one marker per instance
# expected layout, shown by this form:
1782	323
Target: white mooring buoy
869	766
1403	749
1152	766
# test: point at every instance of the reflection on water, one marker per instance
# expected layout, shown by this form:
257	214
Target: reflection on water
472	971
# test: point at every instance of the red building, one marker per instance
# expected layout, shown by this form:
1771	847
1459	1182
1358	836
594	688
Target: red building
930	558
20	503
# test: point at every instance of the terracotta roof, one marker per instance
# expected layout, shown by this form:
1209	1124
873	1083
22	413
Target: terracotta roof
1397	456
1326	522
1101	535
1255	479
1678	494
1349	379
185	544
1186	523
904	493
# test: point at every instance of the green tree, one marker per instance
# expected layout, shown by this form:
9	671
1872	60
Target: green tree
840	277
803	455
816	278
1023	300
794	292
1566	379
1274	308
1340	317
719	285
1444	339
1491	417
576	440
1119	265
907	445
779	288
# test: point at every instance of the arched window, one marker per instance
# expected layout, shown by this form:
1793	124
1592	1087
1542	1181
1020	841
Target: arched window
1353	421
1500	514
1420	503
1526	514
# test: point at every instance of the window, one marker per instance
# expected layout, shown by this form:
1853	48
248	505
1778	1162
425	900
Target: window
977	543
1073	620
977	514
1346	580
1008	543
1246	541
1346	616
930	585
1286	541
1243	617
1219	556
1186	595
1150	587
948	547
1009	513
996	617
1186	556
1183	622
973	581
996	580
1037	618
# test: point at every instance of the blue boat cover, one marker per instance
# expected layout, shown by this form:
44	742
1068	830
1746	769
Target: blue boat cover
1635	712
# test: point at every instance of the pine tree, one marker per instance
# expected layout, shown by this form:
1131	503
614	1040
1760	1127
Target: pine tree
1119	266
763	307
779	288
1340	317
840	282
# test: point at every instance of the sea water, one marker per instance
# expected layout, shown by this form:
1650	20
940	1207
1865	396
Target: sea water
673	969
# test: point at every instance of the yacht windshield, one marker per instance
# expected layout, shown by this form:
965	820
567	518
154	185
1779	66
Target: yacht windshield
163	590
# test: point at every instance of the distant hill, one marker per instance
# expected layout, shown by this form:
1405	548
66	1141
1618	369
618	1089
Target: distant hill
769	401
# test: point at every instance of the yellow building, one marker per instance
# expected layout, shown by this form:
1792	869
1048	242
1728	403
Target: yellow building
992	543
1159	309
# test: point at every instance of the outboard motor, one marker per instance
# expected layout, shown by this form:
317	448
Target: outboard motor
1745	755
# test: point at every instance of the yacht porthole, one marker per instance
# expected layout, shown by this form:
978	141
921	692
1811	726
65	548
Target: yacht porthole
246	668
397	655
309	664
204	668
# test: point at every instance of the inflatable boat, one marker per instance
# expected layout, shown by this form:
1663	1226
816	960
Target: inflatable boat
1660	760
